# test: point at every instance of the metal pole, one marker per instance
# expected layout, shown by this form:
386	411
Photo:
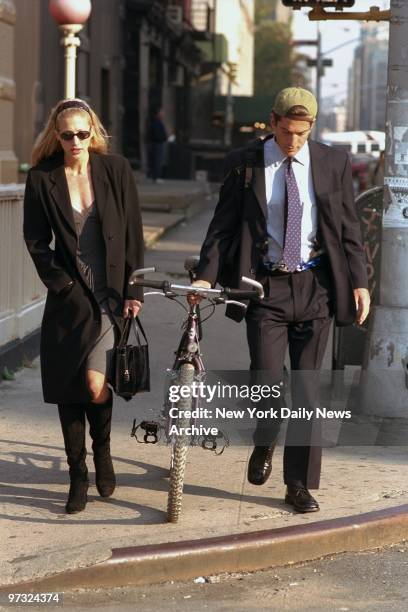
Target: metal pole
229	114
384	379
319	73
70	42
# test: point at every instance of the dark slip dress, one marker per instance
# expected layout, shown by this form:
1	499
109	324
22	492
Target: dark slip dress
91	257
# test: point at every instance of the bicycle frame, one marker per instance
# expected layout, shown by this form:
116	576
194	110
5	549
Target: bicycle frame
187	366
189	352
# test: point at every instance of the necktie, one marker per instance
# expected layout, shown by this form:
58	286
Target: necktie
293	233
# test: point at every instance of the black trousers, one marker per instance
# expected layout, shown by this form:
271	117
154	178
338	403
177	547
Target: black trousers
296	313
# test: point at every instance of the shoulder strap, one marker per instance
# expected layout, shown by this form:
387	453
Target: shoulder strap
250	158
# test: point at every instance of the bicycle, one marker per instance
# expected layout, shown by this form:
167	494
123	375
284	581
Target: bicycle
187	367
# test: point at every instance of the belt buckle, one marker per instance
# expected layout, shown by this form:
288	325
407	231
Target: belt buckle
270	266
279	267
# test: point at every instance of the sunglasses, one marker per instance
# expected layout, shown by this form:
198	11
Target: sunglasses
82	135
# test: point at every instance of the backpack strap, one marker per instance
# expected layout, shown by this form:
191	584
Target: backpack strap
250	158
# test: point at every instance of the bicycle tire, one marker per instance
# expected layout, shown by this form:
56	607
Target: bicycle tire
179	450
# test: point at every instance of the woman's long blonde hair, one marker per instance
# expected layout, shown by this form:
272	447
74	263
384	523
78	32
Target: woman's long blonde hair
47	144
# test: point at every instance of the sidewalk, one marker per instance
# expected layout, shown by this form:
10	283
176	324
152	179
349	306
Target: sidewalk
40	540
226	524
165	205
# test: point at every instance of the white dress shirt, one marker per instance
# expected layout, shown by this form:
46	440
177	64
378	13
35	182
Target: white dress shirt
275	198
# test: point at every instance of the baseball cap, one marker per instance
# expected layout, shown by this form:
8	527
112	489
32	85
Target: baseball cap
295	96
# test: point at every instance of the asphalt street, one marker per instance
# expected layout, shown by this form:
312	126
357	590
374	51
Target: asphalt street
363	582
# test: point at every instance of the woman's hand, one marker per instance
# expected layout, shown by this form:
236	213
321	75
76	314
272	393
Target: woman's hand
131	308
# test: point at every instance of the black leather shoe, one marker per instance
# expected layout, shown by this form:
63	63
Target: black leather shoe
260	464
77	496
299	497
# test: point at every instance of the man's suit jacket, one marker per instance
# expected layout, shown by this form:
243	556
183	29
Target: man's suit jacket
237	234
72	319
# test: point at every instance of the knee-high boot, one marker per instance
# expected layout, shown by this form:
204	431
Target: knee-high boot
72	418
100	419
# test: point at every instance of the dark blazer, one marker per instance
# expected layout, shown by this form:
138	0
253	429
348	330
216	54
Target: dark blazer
237	234
72	321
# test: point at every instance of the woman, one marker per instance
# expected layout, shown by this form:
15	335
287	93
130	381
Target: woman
88	201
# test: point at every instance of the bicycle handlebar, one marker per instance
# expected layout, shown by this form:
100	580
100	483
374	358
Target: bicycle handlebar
221	294
152	284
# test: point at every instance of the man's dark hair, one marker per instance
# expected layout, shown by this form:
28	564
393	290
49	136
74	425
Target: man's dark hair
295	112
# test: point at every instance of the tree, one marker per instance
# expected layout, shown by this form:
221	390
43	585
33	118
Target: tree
276	62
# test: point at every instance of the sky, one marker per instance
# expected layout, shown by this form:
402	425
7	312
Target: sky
335	33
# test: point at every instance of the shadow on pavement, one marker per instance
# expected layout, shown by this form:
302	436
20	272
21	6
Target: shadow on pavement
23	469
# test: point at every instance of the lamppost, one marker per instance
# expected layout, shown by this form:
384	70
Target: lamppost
70	16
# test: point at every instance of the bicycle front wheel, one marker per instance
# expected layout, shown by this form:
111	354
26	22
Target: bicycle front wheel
179	449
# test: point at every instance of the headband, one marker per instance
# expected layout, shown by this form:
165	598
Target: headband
72	104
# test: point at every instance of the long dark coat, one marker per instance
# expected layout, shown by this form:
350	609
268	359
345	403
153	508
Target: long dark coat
72	321
237	234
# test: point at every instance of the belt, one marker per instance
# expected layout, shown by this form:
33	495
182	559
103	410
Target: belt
269	266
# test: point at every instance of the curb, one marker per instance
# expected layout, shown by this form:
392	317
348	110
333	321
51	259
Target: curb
152	233
141	565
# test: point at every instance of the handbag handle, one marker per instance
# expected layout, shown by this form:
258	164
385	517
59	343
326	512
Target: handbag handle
138	321
126	331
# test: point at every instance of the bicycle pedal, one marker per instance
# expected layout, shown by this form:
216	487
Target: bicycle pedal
209	442
151	429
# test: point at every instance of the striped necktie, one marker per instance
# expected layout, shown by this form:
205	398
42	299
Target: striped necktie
293	233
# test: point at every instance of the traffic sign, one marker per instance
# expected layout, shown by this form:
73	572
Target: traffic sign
337	4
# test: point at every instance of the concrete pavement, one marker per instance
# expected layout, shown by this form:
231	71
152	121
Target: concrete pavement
165	205
40	540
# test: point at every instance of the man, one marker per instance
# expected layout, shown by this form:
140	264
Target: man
286	217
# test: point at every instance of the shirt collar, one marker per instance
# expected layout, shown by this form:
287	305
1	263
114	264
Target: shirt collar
275	156
303	154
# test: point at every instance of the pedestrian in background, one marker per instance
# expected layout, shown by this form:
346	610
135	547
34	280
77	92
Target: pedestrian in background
87	200
286	217
158	142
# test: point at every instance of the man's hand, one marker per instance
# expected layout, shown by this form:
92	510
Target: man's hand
362	298
131	308
194	298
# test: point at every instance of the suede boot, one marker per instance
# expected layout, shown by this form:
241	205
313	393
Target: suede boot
72	418
100	419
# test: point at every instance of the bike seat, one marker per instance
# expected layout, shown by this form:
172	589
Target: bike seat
191	263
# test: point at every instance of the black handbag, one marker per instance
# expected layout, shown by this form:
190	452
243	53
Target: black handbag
132	371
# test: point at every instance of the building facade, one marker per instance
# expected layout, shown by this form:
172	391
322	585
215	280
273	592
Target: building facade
162	62
235	20
39	69
367	81
135	56
8	160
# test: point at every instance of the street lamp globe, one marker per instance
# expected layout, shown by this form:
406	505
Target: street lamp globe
70	11
70	16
